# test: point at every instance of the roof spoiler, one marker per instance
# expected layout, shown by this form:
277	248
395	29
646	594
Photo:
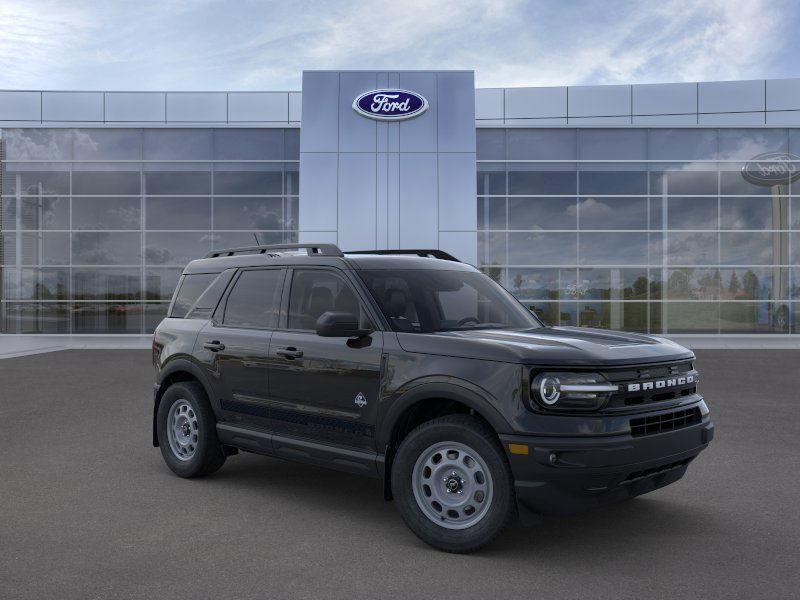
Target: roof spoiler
424	253
312	249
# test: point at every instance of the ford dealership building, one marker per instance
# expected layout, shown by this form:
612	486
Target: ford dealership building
664	208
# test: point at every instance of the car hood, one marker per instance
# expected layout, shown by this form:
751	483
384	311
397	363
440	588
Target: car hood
568	346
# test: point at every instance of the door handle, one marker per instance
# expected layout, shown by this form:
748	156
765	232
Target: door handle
214	346
289	353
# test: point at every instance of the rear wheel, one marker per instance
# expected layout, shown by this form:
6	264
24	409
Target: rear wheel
452	483
187	433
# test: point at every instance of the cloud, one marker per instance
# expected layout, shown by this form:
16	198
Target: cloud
211	44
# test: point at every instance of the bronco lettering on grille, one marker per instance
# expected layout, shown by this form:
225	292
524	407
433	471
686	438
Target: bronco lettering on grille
660	383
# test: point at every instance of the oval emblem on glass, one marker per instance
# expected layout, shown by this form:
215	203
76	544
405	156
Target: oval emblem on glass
390	105
772	168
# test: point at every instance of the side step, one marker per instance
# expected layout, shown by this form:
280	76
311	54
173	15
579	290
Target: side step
350	460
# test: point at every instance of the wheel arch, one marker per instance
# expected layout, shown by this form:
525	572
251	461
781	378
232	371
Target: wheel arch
423	403
177	370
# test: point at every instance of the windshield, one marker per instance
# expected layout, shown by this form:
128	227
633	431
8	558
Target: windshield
426	301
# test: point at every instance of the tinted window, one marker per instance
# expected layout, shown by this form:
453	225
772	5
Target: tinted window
315	292
190	289
433	300
254	299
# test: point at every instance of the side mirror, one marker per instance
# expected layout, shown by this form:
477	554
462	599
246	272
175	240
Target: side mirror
340	324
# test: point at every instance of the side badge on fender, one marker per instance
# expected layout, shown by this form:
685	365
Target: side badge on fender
361	400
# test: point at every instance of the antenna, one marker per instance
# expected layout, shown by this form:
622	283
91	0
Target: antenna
255	235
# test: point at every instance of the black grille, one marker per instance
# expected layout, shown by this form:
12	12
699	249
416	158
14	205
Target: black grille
665	422
637	475
650	373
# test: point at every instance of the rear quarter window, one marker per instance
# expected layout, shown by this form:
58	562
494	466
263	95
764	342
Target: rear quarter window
198	294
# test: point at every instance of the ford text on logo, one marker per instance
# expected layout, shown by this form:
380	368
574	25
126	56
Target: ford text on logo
390	105
661	383
772	168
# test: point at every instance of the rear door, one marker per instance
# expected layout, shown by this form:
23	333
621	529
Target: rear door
324	389
233	346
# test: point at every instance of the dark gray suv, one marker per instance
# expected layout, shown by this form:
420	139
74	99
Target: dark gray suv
415	368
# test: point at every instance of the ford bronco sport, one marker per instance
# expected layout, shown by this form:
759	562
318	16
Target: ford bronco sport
415	368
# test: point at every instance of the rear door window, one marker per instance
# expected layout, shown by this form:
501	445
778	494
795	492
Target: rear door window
254	300
317	291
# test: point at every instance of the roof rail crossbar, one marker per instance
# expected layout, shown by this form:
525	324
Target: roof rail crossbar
425	253
312	249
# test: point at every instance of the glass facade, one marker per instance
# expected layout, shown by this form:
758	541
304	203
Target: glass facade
97	224
650	230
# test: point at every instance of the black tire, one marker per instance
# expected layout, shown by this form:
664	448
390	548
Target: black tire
208	455
477	435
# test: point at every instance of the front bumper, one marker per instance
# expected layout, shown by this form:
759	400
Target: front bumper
564	475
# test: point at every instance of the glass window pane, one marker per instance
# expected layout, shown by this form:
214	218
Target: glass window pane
160	283
491	213
682	144
107	144
754	283
117	183
692	213
733	182
548	312
542	284
745	144
628	316
693	284
101	248
692	248
542	248
754	213
238	239
613	182
526	181
314	292
492	248
48	248
105	213
291	144
44	212
248	213
36	284
491	179
177	183
541	144
38	144
107	317
542	213
178	144
291	179
36	183
36	317
753	248
691	317
106	284
612	213
683	183
174	212
612	144
746	317
248	144
176	249
251	182
8	214
254	299
490	144
613	249
154	313
612	284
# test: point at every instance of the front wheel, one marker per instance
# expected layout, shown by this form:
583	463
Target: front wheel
187	433
452	483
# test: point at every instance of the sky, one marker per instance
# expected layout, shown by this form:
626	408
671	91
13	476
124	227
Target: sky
263	45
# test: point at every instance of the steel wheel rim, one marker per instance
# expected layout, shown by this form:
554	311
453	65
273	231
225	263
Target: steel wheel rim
183	432
452	485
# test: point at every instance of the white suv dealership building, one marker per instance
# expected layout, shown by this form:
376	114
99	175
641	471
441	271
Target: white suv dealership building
664	208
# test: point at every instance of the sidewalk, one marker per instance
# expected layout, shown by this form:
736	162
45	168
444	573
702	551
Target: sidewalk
24	345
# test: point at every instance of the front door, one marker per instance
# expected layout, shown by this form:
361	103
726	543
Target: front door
324	389
234	346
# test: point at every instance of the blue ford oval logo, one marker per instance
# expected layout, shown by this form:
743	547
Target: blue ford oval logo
772	168
390	105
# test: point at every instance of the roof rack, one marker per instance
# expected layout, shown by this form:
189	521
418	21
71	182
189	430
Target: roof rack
312	249
425	253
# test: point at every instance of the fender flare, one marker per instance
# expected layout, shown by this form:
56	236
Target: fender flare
178	365
458	390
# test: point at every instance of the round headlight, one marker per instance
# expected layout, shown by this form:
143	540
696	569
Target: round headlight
550	390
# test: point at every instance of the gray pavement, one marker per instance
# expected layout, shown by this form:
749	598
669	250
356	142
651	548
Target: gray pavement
88	509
